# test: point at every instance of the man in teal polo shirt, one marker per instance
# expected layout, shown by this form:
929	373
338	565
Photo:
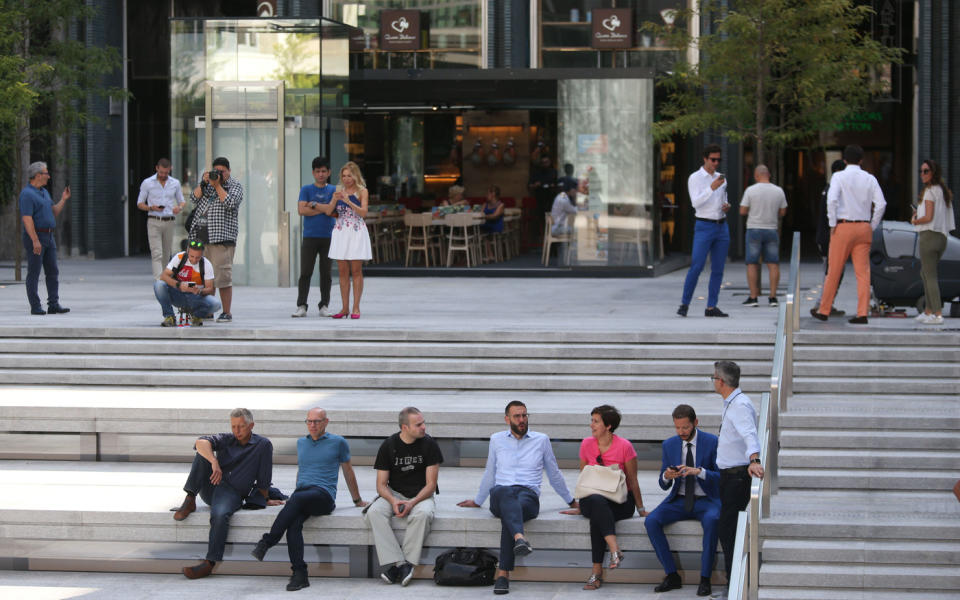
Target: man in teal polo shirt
39	215
320	456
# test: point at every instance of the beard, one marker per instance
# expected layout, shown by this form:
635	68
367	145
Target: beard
518	429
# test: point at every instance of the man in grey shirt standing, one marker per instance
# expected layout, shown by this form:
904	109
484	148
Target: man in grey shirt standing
763	204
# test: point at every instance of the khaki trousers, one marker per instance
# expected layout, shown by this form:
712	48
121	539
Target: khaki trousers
849	240
389	552
160	236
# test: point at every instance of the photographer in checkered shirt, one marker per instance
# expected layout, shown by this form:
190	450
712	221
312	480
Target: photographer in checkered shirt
217	199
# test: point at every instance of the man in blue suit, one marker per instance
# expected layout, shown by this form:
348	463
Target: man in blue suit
690	472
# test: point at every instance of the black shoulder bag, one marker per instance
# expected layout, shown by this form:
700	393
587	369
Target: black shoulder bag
465	566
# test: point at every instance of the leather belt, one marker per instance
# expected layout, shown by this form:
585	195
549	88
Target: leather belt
717	221
44	229
733	470
849	221
161	218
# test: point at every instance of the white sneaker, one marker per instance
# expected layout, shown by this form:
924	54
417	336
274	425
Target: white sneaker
921	318
933	320
301	311
324	311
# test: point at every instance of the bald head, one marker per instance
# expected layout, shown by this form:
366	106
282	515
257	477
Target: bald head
316	422
762	174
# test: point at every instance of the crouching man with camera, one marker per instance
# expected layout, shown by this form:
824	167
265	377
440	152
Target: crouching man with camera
187	283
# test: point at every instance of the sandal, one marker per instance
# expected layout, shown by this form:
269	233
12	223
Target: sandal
615	559
593	583
339	315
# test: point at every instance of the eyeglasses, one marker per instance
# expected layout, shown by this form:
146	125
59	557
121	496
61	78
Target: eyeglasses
924	170
314	421
196	244
715	378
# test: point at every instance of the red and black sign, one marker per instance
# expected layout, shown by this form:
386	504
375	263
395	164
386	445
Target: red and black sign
612	28
400	30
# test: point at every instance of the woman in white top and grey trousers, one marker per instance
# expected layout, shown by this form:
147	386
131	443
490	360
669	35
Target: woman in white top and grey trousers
933	220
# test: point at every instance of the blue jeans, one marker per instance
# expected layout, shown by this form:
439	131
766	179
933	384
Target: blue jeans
512	504
198	306
302	504
762	242
705	510
222	499
46	259
712	239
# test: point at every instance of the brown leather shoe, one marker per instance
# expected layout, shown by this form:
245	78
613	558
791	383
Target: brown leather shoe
197	571
189	505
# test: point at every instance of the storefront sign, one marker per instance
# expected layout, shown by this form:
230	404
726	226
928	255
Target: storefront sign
612	28
400	30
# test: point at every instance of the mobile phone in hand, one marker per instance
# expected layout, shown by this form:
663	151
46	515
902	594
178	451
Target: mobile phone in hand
191	284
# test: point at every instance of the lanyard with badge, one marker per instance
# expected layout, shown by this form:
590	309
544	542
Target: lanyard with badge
725	409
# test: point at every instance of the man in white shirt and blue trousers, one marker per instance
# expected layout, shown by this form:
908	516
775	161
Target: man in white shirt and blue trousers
516	461
738	454
711	235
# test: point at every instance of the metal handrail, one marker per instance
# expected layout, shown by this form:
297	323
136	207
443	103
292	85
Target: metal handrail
745	574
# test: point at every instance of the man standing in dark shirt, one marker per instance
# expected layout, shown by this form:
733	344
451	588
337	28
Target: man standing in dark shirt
39	215
407	465
226	470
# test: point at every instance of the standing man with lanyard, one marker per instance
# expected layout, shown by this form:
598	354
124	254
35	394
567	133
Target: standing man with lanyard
853	194
708	195
738	453
162	199
39	215
317	229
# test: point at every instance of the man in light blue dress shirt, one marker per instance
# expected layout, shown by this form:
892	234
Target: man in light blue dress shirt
162	199
516	461
738	453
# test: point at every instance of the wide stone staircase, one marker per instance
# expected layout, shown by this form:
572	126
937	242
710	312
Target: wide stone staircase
870	449
95	461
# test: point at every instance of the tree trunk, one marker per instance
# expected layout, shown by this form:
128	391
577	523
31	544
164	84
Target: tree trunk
21	161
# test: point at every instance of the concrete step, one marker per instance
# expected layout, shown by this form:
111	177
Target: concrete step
868	593
853	384
342	363
867	457
869	479
863	421
899	370
365	380
862	525
899	552
878	338
872	403
861	576
389	348
887	353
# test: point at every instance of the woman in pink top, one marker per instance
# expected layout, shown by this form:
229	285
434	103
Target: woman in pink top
605	448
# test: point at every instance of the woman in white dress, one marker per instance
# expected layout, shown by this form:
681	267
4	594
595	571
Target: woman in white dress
350	241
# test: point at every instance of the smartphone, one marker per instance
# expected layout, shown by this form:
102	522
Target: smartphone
191	284
401	507
672	468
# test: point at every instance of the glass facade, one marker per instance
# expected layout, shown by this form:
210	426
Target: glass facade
269	96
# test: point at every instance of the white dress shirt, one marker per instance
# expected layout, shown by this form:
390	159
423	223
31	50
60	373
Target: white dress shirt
154	194
852	193
683	460
738	431
707	203
521	462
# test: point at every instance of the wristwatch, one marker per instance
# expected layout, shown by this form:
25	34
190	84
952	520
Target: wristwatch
755	460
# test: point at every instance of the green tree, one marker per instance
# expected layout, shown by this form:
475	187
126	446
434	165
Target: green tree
48	81
773	72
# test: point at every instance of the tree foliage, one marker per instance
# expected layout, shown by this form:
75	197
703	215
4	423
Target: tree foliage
773	72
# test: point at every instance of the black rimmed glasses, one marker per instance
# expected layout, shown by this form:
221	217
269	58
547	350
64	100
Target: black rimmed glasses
314	421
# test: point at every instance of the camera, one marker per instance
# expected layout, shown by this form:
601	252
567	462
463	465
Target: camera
213	175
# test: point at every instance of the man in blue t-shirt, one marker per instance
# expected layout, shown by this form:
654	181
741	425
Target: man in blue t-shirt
320	456
317	228
39	215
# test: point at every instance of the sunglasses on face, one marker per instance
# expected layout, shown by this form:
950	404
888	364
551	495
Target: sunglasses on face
716	160
924	170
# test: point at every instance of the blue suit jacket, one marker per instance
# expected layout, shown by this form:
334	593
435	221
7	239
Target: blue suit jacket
705	459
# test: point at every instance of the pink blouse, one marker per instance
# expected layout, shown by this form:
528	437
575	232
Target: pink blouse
619	453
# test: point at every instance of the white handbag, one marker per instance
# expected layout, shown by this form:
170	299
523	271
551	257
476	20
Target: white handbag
609	482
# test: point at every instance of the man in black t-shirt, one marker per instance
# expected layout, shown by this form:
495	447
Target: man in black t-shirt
407	466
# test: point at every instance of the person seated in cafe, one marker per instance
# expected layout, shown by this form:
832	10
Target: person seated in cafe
492	218
454	196
564	205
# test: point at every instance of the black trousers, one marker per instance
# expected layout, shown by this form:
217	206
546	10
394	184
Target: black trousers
310	249
603	515
734	497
